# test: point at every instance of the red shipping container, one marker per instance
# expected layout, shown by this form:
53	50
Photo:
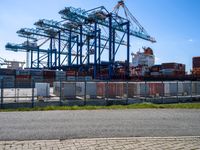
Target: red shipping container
111	92
49	74
120	89
101	88
70	73
156	89
25	77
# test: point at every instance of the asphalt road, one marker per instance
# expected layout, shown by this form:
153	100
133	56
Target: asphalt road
98	123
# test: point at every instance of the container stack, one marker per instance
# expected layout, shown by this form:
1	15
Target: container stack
196	66
155	70
8	78
71	75
36	75
49	76
172	69
23	79
60	76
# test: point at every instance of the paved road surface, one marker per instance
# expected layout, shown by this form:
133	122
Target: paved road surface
98	123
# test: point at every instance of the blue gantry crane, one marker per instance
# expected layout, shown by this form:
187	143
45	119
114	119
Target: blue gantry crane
83	40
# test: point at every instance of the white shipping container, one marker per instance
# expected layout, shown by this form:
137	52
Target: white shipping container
88	78
81	78
166	89
60	73
196	88
80	88
170	88
71	78
56	88
180	88
69	89
42	89
184	88
91	89
187	88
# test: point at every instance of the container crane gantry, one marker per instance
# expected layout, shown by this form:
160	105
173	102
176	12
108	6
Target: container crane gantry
93	32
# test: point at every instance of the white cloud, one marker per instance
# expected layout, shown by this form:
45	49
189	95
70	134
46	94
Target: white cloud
190	40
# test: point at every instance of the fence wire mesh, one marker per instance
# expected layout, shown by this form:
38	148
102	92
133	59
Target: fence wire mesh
49	92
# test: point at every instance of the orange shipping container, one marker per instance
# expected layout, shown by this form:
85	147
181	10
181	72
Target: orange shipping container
111	90
156	89
101	88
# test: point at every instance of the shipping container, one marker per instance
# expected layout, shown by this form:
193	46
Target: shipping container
80	88
187	88
143	89
156	89
23	77
91	90
67	89
132	89
171	88
195	88
111	90
80	78
21	83
8	81
23	73
71	78
57	88
101	89
37	78
42	89
36	72
196	62
49	80
49	74
70	73
60	76
88	78
7	71
169	65
168	72
155	68
155	73
121	90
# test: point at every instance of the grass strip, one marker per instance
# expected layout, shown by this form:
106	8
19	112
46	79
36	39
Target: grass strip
132	106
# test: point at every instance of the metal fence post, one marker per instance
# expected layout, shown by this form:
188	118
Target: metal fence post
191	91
106	93
1	93
127	93
33	94
60	94
145	90
85	93
177	91
163	92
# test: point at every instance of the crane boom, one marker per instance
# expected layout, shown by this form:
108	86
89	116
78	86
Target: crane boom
141	33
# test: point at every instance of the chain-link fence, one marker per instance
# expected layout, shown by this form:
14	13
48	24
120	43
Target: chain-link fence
37	92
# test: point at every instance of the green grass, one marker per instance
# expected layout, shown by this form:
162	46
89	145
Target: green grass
132	106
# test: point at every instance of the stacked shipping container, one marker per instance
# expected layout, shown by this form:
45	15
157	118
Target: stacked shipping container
196	66
7	76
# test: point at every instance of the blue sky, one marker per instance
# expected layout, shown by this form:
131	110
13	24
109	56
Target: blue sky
174	24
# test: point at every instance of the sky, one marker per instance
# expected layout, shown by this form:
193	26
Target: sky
173	23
